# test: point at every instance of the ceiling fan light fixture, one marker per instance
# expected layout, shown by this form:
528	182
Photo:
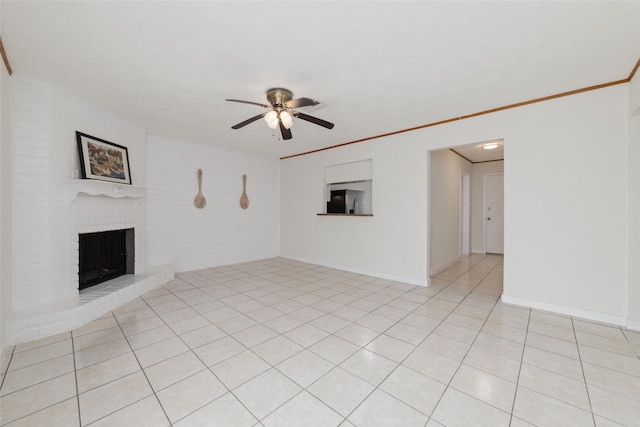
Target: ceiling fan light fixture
490	145
272	119
281	110
287	120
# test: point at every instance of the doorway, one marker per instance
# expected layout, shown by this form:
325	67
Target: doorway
457	206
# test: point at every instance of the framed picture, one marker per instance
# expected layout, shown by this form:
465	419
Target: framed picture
103	160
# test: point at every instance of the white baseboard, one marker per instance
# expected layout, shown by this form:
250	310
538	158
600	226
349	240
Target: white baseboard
569	311
633	324
395	278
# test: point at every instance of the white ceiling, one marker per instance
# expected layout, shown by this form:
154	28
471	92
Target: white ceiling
476	154
376	67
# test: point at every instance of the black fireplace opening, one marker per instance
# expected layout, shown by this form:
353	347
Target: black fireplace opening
104	256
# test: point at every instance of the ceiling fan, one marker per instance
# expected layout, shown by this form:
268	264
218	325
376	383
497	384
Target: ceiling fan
281	110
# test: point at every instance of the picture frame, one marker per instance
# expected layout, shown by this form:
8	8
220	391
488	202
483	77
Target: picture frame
103	160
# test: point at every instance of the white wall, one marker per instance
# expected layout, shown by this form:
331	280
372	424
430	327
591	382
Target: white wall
46	219
633	166
6	209
391	243
222	232
565	227
444	207
6	204
477	202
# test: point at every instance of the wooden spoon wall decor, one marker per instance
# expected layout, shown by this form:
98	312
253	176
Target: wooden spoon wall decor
200	202
244	200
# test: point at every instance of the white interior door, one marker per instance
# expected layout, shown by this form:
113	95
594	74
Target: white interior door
494	213
465	213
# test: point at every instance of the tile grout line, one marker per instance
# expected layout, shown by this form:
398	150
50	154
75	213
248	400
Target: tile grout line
584	377
279	334
326	298
307	348
114	380
424	339
153	391
329	361
6	371
39	382
328	292
524	348
120	327
207	368
579	359
303	388
470	345
577	349
75	378
246	349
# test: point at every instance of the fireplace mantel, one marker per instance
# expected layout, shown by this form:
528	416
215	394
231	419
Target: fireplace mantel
94	187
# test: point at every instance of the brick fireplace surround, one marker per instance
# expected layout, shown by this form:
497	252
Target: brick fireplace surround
80	307
52	207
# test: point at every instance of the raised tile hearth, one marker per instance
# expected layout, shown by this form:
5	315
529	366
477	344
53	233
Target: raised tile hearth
90	304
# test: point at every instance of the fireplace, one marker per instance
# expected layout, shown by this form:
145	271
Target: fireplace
104	256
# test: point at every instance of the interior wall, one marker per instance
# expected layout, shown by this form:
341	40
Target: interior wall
391	243
565	227
6	208
477	202
221	233
444	207
633	160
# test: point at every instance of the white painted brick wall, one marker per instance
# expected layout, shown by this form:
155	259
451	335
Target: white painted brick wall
46	221
32	142
169	229
222	232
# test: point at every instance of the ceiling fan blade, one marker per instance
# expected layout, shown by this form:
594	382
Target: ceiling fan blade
314	120
246	122
286	133
300	102
249	102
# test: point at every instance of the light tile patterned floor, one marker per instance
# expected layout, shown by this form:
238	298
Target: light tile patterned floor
284	343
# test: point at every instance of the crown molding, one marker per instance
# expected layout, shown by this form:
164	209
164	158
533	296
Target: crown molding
480	113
